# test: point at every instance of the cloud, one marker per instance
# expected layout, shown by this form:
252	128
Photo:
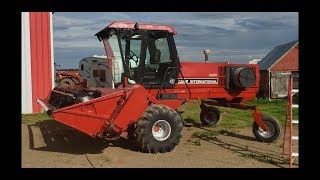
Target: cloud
280	21
237	36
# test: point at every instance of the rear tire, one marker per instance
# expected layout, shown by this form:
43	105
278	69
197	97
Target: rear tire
267	136
210	116
66	82
159	129
130	130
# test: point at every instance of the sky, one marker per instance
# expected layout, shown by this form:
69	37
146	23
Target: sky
236	37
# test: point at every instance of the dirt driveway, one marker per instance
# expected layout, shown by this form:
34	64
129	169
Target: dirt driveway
47	144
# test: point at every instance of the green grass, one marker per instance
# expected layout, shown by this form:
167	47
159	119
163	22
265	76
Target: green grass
205	134
211	134
235	118
197	142
33	118
261	158
226	132
231	118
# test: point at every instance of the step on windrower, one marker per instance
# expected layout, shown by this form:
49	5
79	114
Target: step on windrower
293	146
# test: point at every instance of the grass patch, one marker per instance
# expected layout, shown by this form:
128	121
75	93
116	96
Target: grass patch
235	118
211	134
197	142
261	158
33	118
231	118
226	132
205	134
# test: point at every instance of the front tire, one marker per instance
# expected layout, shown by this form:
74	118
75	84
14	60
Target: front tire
210	116
159	129
272	134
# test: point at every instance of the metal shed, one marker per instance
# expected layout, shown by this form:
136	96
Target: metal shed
274	70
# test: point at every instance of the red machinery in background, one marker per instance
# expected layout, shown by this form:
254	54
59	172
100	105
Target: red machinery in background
65	78
154	84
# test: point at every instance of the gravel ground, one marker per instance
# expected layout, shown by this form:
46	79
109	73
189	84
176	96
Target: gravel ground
50	146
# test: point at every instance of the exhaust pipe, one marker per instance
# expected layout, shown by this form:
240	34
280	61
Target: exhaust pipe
206	52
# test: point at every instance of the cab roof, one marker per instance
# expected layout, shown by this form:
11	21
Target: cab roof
134	25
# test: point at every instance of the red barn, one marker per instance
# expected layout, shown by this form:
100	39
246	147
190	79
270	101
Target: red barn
37	65
283	59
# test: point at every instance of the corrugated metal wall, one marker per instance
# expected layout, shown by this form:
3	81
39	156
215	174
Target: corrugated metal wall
41	62
52	52
26	81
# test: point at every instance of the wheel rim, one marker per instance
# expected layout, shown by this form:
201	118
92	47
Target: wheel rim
210	118
161	130
269	133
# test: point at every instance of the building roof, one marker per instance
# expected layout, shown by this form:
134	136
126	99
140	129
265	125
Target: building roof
93	58
273	56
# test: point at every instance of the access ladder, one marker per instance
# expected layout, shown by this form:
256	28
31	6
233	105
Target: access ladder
293	147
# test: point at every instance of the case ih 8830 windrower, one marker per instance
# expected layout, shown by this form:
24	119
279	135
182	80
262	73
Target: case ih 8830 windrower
153	85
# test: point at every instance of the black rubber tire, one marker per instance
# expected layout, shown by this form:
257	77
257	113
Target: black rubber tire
66	82
75	80
214	116
271	123
130	131
143	129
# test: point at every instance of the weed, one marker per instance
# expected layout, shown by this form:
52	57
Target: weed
197	142
226	132
205	134
261	158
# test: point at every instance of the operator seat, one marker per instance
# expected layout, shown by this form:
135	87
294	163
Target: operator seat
157	56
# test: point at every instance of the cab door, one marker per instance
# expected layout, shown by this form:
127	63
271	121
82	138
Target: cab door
160	67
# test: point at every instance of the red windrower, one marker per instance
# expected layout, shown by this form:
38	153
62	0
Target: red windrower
155	84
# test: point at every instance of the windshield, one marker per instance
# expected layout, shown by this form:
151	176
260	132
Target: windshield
129	49
117	67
